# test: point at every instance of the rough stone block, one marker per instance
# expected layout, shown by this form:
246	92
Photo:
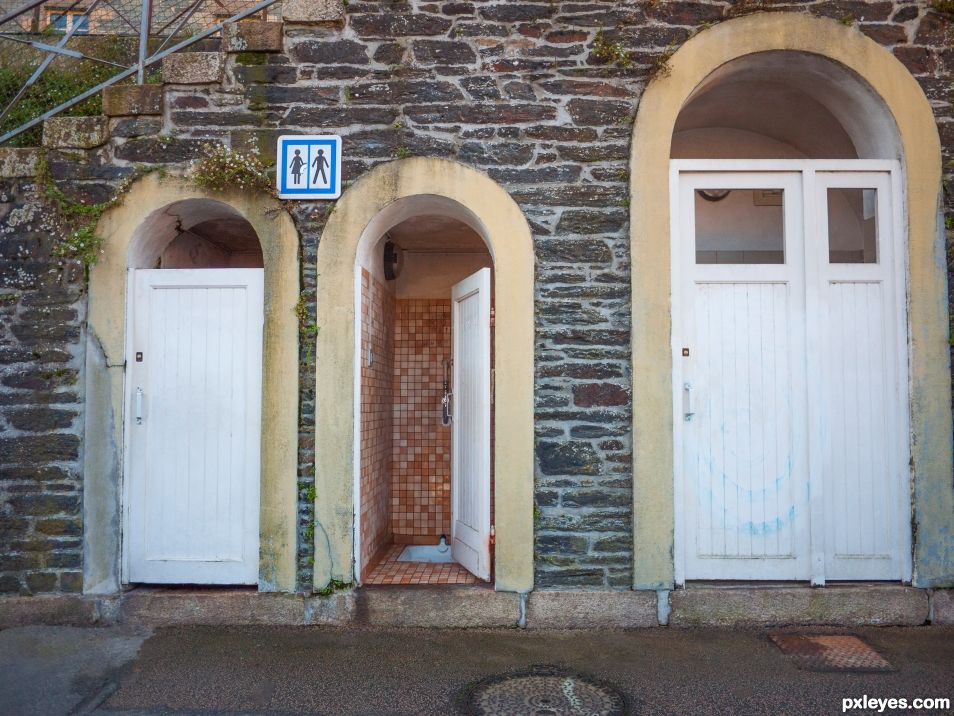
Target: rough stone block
260	141
443	607
61	610
164	608
591	610
128	100
252	36
313	11
192	68
942	606
75	132
774	606
335	609
18	162
135	127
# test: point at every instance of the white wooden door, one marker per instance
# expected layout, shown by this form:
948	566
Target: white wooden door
858	399
194	387
739	397
470	437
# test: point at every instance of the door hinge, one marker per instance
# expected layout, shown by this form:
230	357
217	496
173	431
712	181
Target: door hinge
493	534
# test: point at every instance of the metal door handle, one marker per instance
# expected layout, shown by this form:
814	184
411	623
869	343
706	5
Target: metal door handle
687	410
138	406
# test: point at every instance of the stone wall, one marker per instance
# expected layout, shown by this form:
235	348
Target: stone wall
41	325
517	89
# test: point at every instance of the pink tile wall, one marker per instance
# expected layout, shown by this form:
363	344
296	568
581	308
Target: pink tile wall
420	482
377	388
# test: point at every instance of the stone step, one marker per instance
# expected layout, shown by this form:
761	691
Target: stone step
482	607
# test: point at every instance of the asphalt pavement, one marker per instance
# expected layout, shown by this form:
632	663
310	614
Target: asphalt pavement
320	670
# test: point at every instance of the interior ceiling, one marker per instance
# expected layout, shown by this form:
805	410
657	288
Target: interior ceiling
775	110
435	233
793	98
231	233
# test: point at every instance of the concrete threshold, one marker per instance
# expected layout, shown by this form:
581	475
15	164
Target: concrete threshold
736	605
778	605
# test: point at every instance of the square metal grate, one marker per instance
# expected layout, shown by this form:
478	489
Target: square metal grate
829	652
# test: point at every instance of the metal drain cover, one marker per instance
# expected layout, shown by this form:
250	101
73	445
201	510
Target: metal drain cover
828	652
544	691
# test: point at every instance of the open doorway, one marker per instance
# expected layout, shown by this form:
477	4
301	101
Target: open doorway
424	342
194	398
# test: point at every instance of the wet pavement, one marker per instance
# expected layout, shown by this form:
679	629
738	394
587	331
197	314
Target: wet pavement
295	670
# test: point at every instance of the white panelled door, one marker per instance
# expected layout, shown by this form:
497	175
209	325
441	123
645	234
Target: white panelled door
858	366
789	389
194	426
741	358
470	438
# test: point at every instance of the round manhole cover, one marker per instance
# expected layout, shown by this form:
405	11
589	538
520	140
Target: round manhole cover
544	691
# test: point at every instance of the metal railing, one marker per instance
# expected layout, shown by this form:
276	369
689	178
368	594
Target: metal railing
52	45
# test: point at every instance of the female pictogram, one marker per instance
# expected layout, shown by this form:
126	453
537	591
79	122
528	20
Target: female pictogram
295	167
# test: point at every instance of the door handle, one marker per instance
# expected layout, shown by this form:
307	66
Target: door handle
138	406
687	410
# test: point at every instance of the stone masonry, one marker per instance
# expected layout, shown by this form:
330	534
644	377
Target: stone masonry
516	89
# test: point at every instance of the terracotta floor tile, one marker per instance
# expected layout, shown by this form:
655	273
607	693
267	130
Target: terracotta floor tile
389	571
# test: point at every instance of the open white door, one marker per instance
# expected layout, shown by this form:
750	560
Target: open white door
470	441
194	426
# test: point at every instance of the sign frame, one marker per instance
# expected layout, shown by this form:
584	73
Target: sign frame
313	142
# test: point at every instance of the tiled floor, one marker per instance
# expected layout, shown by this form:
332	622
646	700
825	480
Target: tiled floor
389	571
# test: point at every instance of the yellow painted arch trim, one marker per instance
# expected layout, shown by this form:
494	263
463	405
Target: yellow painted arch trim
501	223
927	283
107	323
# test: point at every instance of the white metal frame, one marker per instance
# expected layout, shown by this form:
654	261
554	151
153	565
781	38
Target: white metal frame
808	169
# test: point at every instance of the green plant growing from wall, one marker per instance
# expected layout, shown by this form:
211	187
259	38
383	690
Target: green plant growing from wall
75	222
944	8
335	585
659	66
309	330
610	53
220	168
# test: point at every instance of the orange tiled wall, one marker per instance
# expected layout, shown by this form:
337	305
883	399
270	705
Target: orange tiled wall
377	387
420	475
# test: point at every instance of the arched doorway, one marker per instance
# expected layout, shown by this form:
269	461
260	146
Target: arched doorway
437	212
194	397
424	495
193	345
789	367
798	150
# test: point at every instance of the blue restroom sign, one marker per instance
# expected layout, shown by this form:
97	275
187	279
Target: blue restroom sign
309	166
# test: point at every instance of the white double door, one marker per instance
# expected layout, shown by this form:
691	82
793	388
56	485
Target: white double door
194	386
789	376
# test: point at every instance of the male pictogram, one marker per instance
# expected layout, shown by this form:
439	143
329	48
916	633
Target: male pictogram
319	163
295	167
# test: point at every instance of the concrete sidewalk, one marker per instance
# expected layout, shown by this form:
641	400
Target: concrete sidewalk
292	670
